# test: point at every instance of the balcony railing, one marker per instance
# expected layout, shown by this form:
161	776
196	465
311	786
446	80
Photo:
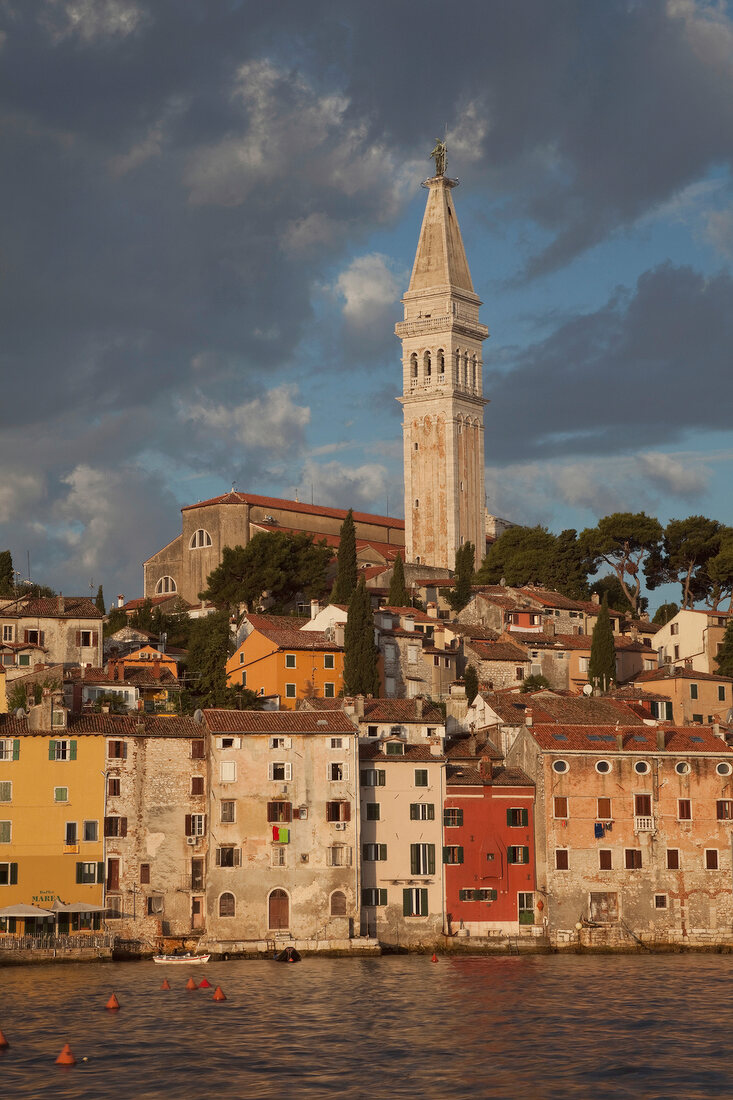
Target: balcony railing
643	824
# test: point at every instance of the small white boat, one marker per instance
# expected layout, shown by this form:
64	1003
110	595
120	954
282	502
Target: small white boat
187	960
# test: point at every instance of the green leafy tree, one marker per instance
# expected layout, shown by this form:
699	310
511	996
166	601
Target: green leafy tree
724	658
536	682
623	541
210	644
116	620
99	601
714	583
7	576
35	590
568	568
470	682
664	613
361	674
346	573
602	664
282	565
533	555
686	548
142	619
398	595
610	587
459	595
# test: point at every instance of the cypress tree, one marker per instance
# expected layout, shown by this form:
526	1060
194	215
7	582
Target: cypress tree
460	594
398	594
346	576
99	602
470	682
361	674
724	659
7	586
602	664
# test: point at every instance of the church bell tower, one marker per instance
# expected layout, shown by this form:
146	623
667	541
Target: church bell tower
442	390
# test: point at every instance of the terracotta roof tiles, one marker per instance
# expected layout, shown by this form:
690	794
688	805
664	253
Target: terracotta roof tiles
278	721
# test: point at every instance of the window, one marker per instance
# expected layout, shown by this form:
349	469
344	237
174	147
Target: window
516	818
6	791
603	767
62	750
61	794
693	691
199	538
723	769
113	787
197	785
603	908
226	811
604	809
197	749
415	902
338	811
560	807
228	771
642	805
632	859
373	898
115	826
279	857
70	833
697	718
328	660
337	772
422	811
117	750
7	633
372	853
165	585
290	691
452	818
660	901
227	905
90	872
684	809
290	660
90	832
560	766
562	862
338	855
10	750
682	767
372	731
279	743
641	767
673	859
422	859
721	693
280	771
338	903
394	748
145	874
336	743
676	653
228	856
279	811
154	905
374	777
517	854
674	628
8	874
197	874
195	824
452	853
372	811
421	777
605	859
711	859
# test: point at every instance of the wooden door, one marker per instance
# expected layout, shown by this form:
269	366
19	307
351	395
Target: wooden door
197	912
113	874
279	910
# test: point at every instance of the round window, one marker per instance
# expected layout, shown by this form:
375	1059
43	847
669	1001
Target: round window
560	766
603	766
641	767
682	767
723	769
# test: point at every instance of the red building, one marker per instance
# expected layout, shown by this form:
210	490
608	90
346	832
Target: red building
488	852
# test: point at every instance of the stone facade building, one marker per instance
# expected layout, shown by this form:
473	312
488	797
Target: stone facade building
65	630
415	655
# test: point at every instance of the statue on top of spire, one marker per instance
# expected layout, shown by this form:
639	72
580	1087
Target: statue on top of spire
440	156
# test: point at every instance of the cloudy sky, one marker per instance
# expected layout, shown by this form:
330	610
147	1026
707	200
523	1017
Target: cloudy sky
210	212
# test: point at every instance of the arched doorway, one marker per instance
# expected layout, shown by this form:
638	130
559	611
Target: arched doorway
278	912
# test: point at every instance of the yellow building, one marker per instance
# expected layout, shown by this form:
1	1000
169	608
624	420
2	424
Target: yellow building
276	658
51	820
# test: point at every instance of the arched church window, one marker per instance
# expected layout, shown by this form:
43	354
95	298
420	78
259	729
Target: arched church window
413	365
199	538
441	361
473	372
165	585
458	365
465	368
427	365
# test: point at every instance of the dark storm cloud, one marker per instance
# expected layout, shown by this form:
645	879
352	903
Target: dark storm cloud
639	372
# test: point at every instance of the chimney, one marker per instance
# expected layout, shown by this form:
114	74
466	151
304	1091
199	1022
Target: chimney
472	744
120	669
436	748
338	631
408	624
315	608
120	600
484	769
156	668
619	741
418	707
660	739
717	731
595	598
528	716
644	616
548	627
359	706
62	604
431	609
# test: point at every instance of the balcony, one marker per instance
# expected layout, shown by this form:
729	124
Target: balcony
71	849
644	825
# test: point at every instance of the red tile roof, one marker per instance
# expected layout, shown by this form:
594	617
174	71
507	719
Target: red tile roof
411	754
278	721
679	673
469	776
297	506
498	651
602	739
549	598
47	607
291	637
111	725
459	748
398	711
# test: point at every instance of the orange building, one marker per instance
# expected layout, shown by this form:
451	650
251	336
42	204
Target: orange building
277	658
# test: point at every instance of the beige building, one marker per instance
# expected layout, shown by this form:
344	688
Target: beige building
65	630
691	698
692	639
284	830
442	395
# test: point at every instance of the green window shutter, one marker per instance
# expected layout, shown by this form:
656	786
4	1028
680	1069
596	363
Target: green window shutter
423	903
446	853
509	817
382	851
72	750
413	859
431	812
16	749
460	855
460	817
525	855
525	817
380	777
80	872
13	874
511	854
51	750
100	872
431	859
382	897
413	811
406	903
493	895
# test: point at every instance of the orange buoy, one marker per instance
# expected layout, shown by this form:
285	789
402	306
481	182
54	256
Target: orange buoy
3	1042
203	984
66	1058
218	994
191	984
113	1005
166	984
434	958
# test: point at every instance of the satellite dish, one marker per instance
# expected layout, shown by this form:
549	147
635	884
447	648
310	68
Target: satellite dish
20	713
198	717
587	689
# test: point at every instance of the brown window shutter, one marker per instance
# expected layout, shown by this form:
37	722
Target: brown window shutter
123	826
25	636
95	637
41	637
78	637
108	826
288	811
271	811
346	811
189	831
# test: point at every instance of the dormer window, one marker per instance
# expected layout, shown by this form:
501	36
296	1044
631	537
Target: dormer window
394	748
199	538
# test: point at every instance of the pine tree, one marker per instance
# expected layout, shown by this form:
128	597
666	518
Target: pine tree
99	602
7	586
460	594
361	674
398	594
724	659
602	664
346	576
470	682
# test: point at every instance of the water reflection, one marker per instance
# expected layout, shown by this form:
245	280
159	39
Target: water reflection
641	1027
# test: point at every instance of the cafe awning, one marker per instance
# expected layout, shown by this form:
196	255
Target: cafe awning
24	911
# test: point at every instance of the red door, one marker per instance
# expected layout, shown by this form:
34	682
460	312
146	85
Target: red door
113	874
279	910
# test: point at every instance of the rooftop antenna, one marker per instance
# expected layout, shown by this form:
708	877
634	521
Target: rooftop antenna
232	488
